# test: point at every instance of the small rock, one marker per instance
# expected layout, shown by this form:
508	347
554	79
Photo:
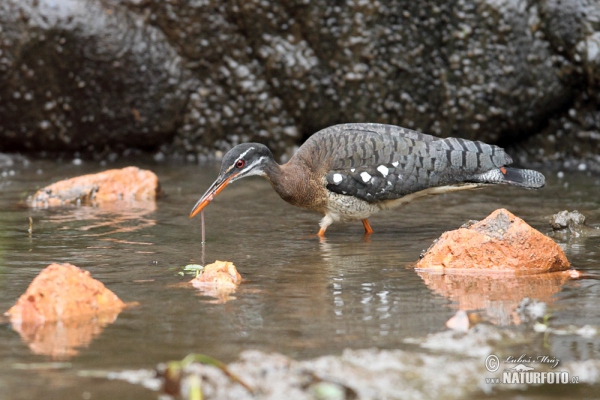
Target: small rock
61	292
563	219
218	279
572	222
62	310
502	242
219	273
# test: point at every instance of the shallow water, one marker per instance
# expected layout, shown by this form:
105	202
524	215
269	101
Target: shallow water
301	297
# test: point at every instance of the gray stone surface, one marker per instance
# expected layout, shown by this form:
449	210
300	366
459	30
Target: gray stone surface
76	75
199	75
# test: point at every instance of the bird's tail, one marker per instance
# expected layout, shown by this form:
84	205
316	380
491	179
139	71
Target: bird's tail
526	178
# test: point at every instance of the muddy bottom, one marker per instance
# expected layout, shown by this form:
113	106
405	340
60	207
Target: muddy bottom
302	298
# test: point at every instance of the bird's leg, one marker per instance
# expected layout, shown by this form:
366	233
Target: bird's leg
368	229
325	222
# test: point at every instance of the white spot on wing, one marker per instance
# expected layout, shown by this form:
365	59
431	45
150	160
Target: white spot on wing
337	178
352	169
365	176
395	163
384	170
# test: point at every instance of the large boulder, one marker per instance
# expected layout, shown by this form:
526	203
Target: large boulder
464	69
573	29
197	76
79	75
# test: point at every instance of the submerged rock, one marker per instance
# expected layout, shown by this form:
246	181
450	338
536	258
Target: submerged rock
356	374
441	365
129	184
500	243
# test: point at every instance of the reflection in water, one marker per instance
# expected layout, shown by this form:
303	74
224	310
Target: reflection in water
114	217
61	339
497	295
354	286
219	294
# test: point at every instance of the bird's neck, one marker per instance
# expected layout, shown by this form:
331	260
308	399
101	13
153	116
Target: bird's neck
292	183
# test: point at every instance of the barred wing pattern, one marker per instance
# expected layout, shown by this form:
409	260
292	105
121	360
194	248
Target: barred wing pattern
376	162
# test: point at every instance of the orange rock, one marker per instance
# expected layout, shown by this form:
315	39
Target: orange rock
62	292
129	183
218	279
219	273
63	309
501	242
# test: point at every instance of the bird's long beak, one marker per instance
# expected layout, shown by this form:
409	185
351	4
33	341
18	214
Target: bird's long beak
210	194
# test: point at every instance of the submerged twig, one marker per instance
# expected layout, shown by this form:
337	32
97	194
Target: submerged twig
30	230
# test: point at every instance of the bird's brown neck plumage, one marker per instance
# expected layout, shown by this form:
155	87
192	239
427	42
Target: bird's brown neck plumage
296	183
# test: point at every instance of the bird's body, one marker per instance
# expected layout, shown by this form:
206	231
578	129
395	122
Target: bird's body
348	172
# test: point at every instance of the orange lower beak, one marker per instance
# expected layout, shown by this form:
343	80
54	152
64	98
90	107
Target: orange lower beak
210	194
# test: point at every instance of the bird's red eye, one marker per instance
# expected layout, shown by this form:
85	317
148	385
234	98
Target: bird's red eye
240	163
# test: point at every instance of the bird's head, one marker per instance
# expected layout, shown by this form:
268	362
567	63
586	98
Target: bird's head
243	160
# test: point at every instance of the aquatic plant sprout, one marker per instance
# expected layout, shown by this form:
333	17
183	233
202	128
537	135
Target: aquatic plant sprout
192	268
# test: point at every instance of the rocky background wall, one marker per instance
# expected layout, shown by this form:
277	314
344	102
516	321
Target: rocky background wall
188	77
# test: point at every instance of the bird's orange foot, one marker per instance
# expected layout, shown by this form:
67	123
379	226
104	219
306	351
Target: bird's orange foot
368	229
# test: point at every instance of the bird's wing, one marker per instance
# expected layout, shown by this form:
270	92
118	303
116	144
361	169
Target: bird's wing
377	162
